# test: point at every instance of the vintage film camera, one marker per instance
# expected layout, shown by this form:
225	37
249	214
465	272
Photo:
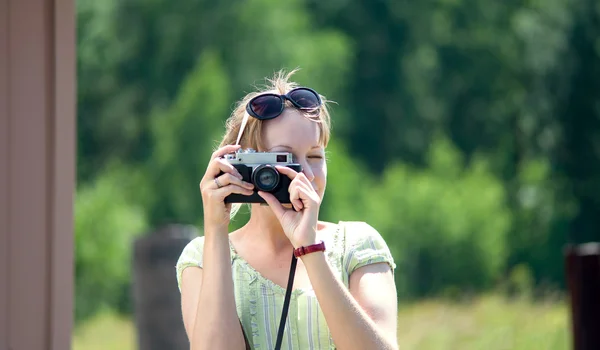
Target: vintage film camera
258	168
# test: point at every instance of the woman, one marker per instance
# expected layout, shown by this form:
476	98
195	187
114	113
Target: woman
343	297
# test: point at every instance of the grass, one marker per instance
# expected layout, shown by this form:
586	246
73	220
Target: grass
105	332
488	322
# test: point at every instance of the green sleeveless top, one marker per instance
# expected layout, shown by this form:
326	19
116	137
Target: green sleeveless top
259	301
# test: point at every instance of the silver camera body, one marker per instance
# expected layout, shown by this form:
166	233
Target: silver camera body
258	168
251	157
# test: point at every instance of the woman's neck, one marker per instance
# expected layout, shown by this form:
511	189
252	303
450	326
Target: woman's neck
264	227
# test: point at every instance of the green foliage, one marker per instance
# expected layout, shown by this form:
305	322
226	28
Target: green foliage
447	226
544	207
348	183
466	131
106	222
184	136
520	282
270	35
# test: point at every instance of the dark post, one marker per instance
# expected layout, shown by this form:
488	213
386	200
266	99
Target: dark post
157	301
582	264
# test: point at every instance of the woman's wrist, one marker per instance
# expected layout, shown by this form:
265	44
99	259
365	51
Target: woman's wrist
313	259
216	226
305	239
306	242
313	248
216	232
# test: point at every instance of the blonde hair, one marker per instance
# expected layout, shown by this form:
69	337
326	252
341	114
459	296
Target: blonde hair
252	133
251	137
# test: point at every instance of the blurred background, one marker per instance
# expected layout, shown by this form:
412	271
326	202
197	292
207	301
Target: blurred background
466	131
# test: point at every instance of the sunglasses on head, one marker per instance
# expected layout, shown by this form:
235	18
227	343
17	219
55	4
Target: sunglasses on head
269	106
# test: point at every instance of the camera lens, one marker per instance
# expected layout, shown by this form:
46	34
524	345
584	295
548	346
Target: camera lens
265	177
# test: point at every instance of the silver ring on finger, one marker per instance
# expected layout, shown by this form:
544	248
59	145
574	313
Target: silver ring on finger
217	183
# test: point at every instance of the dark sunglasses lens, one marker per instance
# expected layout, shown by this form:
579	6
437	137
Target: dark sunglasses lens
267	106
305	98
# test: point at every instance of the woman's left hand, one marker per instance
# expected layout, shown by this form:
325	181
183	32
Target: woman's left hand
300	222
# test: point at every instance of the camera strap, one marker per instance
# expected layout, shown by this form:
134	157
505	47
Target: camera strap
242	127
286	303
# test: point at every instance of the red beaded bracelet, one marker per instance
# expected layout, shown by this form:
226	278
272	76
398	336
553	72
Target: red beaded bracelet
318	247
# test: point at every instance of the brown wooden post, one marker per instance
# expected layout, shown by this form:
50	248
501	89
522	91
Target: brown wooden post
37	173
4	150
157	301
582	265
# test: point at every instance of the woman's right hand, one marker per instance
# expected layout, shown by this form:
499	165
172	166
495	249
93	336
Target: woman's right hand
214	188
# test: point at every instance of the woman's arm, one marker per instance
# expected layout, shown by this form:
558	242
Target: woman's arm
367	322
363	317
207	299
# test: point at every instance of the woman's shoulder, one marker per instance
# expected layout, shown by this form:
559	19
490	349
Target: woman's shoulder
194	247
192	252
191	256
351	231
362	245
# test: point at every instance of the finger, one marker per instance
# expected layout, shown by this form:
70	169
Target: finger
298	182
295	176
225	191
291	173
219	165
301	181
229	179
307	197
295	199
224	150
277	208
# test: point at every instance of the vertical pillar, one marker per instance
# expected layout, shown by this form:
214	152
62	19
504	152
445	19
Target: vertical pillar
583	281
4	141
157	301
37	173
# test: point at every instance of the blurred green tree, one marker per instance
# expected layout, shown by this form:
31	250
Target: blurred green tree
514	80
106	223
466	131
447	226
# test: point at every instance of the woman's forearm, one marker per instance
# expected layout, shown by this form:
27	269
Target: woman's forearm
217	325
350	326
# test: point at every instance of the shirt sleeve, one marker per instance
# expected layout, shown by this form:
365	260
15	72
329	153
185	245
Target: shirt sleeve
365	246
190	256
